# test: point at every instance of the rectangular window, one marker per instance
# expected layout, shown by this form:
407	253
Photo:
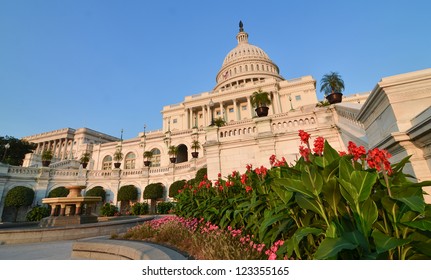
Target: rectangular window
298	97
174	121
200	116
244	107
230	110
218	113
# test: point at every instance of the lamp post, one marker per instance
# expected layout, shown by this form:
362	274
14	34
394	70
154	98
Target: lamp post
291	107
211	104
6	147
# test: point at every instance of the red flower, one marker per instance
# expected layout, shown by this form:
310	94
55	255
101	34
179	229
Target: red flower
357	152
319	143
248	189
342	153
305	152
261	171
378	159
304	136
249	167
272	159
243	178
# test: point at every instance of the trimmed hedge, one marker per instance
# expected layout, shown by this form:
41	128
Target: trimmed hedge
175	187
200	175
37	213
128	192
153	191
19	196
58	192
97	191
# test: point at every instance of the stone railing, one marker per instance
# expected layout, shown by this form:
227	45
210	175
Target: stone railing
99	173
348	114
64	173
65	163
282	124
23	171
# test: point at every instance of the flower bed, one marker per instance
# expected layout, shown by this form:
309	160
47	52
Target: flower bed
328	205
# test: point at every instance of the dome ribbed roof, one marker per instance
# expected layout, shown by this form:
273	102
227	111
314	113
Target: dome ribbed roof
245	63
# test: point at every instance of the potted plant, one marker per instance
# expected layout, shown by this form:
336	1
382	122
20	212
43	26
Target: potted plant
195	146
332	85
173	150
260	99
85	158
46	157
118	156
148	155
219	122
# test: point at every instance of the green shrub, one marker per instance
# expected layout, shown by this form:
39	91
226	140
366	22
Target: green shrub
58	192
140	208
108	210
153	191
37	213
164	207
97	191
128	193
19	196
175	187
200	175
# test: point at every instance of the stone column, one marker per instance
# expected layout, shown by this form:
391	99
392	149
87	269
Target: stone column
251	107
204	116
65	149
221	109
62	209
235	110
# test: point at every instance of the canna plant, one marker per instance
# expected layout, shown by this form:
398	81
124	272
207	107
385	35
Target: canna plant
328	205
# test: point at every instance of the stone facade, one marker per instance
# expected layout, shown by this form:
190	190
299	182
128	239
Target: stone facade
395	115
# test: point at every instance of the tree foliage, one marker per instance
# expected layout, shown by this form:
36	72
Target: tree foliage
37	213
97	191
17	149
58	192
128	192
19	196
153	191
200	175
175	187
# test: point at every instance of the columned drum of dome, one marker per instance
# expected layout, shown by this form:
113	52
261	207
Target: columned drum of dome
246	63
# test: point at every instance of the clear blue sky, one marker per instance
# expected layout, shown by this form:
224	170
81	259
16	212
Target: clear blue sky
112	65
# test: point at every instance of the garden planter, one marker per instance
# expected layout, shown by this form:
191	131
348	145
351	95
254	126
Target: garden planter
45	163
195	154
173	159
335	97
147	162
262	111
117	164
84	164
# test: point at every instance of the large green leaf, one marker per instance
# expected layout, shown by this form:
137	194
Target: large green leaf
309	204
284	195
330	154
412	196
363	182
368	214
385	243
349	192
330	247
312	180
423	224
332	194
293	185
293	242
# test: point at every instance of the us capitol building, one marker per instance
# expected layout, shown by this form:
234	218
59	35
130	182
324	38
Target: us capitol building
395	115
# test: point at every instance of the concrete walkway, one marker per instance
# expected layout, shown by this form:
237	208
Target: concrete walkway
63	250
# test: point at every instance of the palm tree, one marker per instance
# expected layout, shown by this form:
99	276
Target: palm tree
172	151
260	99
195	146
332	85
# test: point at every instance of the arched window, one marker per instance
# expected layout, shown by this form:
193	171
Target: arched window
107	163
155	161
182	155
130	160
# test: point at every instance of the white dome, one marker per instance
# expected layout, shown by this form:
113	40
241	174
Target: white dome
245	63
